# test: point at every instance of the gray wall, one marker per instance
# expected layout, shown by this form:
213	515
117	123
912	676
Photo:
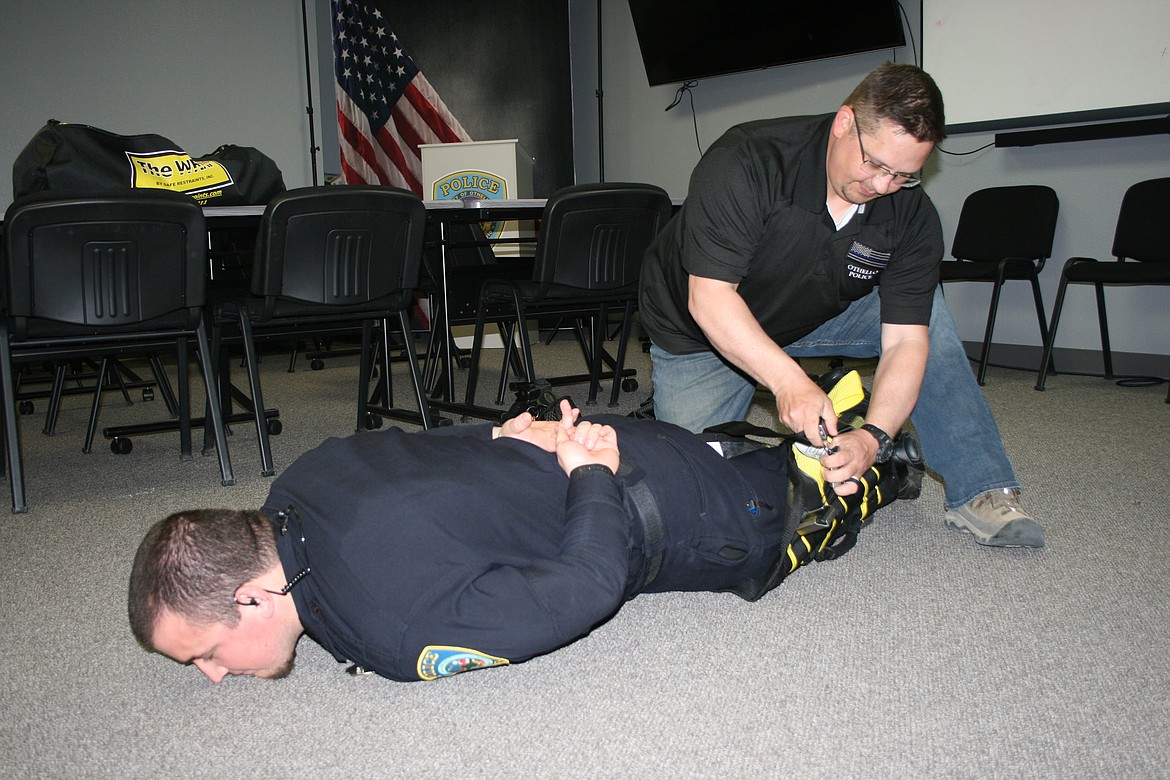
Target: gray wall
644	142
221	71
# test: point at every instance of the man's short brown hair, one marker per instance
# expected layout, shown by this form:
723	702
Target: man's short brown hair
903	94
191	564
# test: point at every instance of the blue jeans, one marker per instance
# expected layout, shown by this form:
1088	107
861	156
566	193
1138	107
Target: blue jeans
954	423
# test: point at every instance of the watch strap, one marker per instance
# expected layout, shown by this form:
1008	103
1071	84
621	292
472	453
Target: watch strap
885	443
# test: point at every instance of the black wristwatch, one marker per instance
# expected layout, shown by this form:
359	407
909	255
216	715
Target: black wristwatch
885	443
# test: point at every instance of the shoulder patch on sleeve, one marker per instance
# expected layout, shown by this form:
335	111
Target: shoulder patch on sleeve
437	661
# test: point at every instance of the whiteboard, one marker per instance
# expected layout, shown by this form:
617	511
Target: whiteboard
1019	63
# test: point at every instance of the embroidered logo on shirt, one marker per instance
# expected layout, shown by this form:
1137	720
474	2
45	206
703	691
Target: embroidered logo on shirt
865	262
437	661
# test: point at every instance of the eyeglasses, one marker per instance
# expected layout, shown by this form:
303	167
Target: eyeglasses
875	170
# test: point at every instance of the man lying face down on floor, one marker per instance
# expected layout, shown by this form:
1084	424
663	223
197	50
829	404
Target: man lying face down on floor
421	555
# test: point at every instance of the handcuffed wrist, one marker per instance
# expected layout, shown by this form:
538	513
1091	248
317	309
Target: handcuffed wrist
590	467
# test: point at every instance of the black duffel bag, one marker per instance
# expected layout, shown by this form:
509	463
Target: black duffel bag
80	157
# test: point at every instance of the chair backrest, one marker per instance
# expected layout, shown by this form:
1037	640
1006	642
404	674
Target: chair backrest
1007	222
1143	233
339	245
104	260
593	236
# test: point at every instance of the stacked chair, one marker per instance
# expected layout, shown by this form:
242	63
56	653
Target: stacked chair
334	259
588	262
1141	248
99	274
1004	234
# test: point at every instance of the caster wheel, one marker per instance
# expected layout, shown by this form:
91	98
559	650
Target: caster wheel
316	364
27	407
629	385
148	394
120	446
373	421
275	427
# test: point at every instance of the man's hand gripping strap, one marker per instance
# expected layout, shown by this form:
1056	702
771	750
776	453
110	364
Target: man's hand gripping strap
827	524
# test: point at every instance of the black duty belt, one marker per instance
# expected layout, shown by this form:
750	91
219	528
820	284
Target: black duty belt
652	529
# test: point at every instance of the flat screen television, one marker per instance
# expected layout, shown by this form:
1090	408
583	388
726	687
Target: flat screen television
682	40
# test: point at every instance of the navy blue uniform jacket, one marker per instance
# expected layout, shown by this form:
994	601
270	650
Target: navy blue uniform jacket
434	553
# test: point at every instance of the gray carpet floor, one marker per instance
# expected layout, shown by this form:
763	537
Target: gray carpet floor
917	655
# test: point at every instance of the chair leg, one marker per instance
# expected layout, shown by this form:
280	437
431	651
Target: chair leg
511	360
432	370
1106	352
114	372
598	347
252	364
525	341
183	373
476	345
96	406
365	371
1046	360
420	394
620	362
219	360
55	393
983	356
11	429
214	409
1038	299
164	384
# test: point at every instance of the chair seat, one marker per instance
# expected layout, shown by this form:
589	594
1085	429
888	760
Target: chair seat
535	292
1117	272
261	311
36	329
985	271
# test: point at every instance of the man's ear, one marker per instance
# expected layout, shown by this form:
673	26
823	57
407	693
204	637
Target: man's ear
843	121
254	600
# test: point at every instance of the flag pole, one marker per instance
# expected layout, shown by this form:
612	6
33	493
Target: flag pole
600	104
313	148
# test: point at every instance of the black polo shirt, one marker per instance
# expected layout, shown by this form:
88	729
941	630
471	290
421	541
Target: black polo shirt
755	215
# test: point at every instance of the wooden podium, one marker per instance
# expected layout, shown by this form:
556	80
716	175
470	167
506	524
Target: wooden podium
482	171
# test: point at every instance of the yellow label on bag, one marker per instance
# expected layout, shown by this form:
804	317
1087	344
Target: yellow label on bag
176	171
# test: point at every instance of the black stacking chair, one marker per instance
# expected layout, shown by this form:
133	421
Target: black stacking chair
1141	246
456	265
327	259
95	274
1004	234
588	259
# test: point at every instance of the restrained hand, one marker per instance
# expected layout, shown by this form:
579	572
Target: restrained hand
587	443
541	433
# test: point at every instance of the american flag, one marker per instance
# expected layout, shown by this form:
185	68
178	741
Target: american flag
385	106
